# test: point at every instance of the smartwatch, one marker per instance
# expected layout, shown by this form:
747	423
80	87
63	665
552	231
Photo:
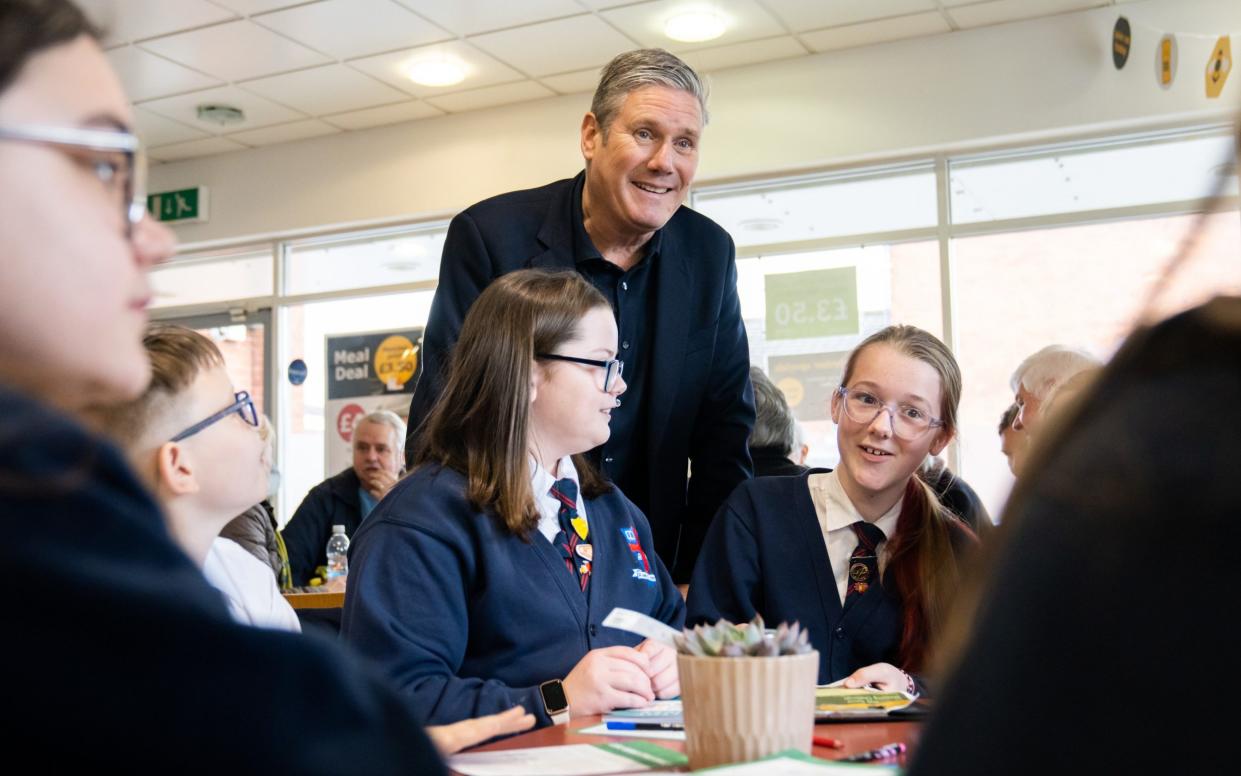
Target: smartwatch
555	702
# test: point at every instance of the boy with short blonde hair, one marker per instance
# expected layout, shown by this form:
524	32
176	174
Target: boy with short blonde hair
195	443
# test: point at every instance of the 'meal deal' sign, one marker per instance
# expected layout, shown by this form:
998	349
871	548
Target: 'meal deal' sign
366	372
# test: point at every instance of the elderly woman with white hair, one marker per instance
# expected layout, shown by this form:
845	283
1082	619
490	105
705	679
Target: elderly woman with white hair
1033	382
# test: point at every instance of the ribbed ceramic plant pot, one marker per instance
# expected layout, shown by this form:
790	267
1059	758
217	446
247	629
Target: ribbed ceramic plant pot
742	708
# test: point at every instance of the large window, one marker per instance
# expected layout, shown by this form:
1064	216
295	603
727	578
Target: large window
999	253
1031	246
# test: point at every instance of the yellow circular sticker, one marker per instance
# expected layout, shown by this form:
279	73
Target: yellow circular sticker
793	390
396	360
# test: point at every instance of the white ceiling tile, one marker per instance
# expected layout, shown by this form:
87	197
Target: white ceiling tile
284	133
259	112
194	148
146	76
748	53
866	33
490	96
572	83
556	47
388	114
354	28
256	6
802	15
235	51
327	89
129	20
1000	11
155	130
467	17
743	19
480	69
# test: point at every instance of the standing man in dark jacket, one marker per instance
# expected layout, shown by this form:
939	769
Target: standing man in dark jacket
346	498
670	276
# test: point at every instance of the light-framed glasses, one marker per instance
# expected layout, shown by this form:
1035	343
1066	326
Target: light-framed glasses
115	156
243	405
613	368
909	421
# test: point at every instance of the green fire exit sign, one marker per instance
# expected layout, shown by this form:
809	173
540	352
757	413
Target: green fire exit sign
178	206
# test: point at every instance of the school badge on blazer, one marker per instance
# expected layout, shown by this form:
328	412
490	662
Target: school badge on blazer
642	569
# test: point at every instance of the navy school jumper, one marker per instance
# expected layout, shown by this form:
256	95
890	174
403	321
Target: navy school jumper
765	554
116	650
468	619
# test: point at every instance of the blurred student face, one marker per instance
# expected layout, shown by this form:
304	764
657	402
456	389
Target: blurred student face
374	450
73	299
570	411
875	464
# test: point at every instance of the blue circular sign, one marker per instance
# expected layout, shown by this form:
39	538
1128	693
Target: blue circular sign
297	371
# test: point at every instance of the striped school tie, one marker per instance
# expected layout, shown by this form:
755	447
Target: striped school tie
574	532
864	562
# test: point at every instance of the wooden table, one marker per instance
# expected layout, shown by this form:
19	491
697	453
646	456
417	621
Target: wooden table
315	600
856	736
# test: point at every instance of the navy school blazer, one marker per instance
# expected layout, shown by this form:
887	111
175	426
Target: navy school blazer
467	619
700	405
765	555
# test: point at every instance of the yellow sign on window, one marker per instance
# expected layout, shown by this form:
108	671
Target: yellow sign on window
1219	66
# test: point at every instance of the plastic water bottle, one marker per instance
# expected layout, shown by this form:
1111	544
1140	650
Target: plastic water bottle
337	553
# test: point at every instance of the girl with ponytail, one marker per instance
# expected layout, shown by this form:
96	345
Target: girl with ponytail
865	557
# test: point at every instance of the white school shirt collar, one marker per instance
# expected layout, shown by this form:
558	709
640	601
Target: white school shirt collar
836	513
541	481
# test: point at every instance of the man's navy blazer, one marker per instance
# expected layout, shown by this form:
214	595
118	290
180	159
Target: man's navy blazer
699	402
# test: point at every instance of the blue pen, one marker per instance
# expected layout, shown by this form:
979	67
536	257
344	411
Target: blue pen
644	726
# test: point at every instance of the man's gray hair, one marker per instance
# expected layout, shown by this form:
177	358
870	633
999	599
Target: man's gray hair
635	70
773	422
1049	367
392	421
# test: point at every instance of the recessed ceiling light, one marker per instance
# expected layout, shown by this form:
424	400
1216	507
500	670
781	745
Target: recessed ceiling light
695	26
436	72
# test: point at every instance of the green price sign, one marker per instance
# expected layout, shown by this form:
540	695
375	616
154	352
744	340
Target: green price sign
820	303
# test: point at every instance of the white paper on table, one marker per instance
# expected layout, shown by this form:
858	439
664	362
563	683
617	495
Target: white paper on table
788	766
604	730
570	760
636	622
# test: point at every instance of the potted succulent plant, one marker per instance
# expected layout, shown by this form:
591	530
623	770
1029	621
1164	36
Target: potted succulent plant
747	692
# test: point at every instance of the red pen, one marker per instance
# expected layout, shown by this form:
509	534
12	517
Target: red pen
831	743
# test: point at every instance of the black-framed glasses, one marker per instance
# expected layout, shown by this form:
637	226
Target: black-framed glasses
243	406
612	367
909	421
117	161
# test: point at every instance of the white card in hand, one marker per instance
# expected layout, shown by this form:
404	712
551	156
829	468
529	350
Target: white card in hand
636	622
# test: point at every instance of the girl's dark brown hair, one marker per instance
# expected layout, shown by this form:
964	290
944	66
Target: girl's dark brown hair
27	27
923	561
480	425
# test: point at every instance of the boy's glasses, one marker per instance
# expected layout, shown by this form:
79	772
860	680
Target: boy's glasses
612	367
243	406
115	157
